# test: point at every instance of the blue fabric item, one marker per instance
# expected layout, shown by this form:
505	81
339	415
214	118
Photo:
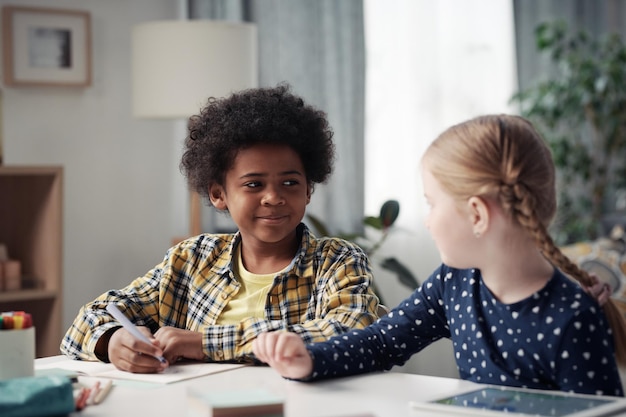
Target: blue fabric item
36	396
557	338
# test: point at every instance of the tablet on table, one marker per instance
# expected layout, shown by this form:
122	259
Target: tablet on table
499	400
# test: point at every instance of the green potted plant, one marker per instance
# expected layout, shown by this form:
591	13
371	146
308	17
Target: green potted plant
382	225
581	111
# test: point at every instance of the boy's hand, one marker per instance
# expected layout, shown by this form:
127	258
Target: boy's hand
129	354
285	352
180	343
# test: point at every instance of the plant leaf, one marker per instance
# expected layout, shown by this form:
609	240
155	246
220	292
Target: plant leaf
318	225
389	213
373	222
404	275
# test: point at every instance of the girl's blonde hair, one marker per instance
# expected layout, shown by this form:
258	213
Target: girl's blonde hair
504	158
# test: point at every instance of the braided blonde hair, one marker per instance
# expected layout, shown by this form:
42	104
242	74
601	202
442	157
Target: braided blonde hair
504	158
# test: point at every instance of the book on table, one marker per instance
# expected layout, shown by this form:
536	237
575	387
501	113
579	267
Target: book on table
234	403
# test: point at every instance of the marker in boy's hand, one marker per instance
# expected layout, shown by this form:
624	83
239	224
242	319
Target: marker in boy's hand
132	329
130	342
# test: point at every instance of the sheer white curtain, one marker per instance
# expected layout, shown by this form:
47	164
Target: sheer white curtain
317	47
430	64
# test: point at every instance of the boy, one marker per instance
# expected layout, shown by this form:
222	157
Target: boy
257	155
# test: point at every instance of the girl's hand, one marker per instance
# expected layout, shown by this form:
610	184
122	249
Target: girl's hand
180	343
129	354
285	352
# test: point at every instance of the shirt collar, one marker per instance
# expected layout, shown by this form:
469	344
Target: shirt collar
301	265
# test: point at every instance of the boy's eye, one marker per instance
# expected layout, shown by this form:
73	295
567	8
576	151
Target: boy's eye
291	182
252	184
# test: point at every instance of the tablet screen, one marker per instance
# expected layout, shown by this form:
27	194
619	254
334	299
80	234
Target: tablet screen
532	403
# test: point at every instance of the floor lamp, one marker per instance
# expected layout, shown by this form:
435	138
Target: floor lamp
177	65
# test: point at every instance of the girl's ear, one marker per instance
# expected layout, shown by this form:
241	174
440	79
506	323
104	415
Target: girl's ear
217	195
479	215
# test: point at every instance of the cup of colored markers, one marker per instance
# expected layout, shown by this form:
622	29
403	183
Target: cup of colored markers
17	345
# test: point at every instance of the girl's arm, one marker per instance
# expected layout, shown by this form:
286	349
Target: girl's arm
392	340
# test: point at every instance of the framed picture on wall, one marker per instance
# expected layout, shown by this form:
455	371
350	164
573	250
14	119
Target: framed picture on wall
46	47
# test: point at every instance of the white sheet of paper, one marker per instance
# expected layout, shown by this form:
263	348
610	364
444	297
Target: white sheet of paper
176	372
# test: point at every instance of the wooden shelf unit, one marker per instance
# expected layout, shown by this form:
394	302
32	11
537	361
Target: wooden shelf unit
31	226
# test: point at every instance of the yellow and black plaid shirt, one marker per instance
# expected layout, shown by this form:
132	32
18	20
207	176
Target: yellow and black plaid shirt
325	291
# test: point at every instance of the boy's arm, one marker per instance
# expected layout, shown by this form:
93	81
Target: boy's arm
344	298
93	326
159	298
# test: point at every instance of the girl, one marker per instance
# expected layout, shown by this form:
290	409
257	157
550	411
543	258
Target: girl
501	294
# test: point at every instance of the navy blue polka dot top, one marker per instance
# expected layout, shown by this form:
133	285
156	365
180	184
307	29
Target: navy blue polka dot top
557	338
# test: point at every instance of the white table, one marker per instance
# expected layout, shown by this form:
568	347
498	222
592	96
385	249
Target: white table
379	394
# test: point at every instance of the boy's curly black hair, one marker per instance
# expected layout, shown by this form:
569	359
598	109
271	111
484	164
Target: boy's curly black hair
251	117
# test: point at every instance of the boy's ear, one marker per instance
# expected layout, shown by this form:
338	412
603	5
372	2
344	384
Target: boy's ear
479	215
217	197
309	191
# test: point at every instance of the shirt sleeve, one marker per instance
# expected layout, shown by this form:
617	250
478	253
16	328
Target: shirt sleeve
344	297
139	301
586	361
414	324
340	298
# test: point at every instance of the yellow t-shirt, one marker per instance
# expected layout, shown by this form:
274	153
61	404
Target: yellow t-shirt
250	300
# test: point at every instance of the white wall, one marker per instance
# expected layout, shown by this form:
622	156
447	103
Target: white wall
120	173
430	64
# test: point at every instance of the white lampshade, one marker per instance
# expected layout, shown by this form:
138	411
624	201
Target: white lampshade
178	65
